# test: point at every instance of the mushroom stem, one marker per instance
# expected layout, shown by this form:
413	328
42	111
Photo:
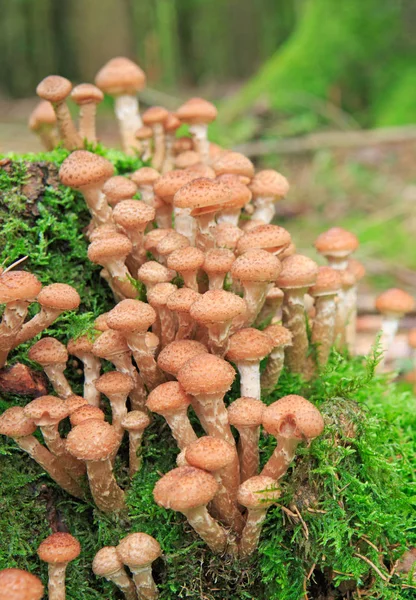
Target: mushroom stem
252	531
38	323
13	317
55	374
108	496
159	146
249	379
144	582
204	237
248	451
152	375
56	581
167	325
86	123
264	209
324	327
186	326
351	306
199	134
207	528
127	113
255	296
92	370
181	428
135	458
214	416
281	458
294	320
185	224
56	445
389	329
138	395
274	366
66	127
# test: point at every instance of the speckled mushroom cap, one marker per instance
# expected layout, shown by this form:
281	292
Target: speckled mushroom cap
60	296
356	268
135	420
176	354
336	242
201	170
411	338
46	410
395	301
85	413
145	176
15	424
328	282
193	375
209	453
279	335
168	397
218	261
120	76
103	232
272	238
154	236
184	488
153	272
288	251
131	315
86	93
100	323
170	242
197	111
227	235
92	440
182	144
159	294
217	306
18	285
186	259
245	412
168	184
249	345
258	492
114	382
171	123
154	115
116	247
144	133
83	169
202	196
293	417
182	299
59	548
240	193
138	549
16	584
54	89
256	265
110	343
43	114
186	159
48	351
119	188
133	214
269	184
106	562
75	402
234	163
274	294
80	346
298	271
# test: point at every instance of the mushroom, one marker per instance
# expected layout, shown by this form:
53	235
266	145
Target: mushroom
158	297
393	304
171	125
182	144
257	494
174	356
240	197
16	584
151	273
169	243
247	347
56	89
133	216
324	291
272	238
337	245
58	550
290	420
117	387
234	163
52	356
145	134
187	261
281	338
171	402
108	564
54	299
135	422
81	347
47	412
94	442
268	187
87	172
17	426
155	117
123	79
217	263
145	178
186	159
83	413
227	235
17	290
189	490
42	121
357	269
208	392
165	188
111	253
297	276
245	414
198	113
201	170
87	97
118	188
219	458
75	402
138	551
180	302
271	307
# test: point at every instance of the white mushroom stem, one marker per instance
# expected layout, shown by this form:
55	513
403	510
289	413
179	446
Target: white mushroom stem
118	296
264	209
185	224
274	366
123	582
167	325
138	252
118	412
38	323
186	326
281	458
147	194
13	317
152	375
92	371
252	531
225	505
56	445
86	124
389	329
159	146
66	126
294	320
255	296
341	319
56	581
218	335
214	416
135	459
324	327
181	427
205	238
207	528
146	149
199	134
168	163
104	489
163	218
249	378
248	451
339	263
55	374
351	309
128	116
138	396
232	215
144	582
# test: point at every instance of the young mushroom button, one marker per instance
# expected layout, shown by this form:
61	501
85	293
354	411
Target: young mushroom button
118	188
138	551
16	584
58	550
337	245
268	187
135	422
108	564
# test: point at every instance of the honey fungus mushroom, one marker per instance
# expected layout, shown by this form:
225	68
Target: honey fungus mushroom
58	550
16	584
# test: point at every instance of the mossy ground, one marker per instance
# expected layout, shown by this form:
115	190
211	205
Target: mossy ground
347	510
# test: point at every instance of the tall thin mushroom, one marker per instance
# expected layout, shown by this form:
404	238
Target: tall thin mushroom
87	97
138	551
58	550
108	564
53	357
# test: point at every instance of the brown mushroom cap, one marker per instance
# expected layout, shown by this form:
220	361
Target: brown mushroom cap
197	111
119	188
54	88
168	184
234	163
171	123
240	193
182	299
80	346
86	93
120	76
184	488
395	301
114	382
336	242
218	260
201	170
356	268
106	562
193	375
186	159
15	424
48	351
153	272
100	323
46	410
154	236
145	175
249	345
168	397
293	417
116	247
84	413
209	453
328	282
133	214
272	238
159	294
258	492
217	306
103	232
82	169
227	235
176	354
256	265
75	402
92	440
60	296
59	548
16	584
138	549
43	114
298	271
246	412
170	242
186	259
135	420
110	343
154	115
18	285
131	315
279	335
269	183
202	196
